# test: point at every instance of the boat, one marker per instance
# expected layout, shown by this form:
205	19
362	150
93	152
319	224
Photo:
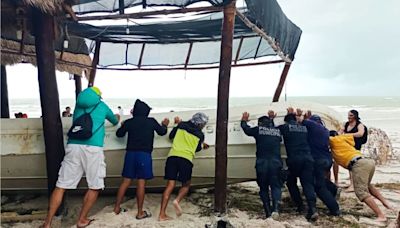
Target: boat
23	161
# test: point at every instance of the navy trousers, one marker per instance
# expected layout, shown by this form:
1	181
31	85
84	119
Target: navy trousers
302	167
268	171
325	189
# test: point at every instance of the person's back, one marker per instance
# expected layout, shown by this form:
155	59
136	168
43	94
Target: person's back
343	150
362	170
84	157
268	162
318	140
88	100
268	139
187	139
138	161
140	129
295	137
300	164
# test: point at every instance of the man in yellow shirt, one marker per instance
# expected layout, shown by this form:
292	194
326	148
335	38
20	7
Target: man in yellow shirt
187	140
362	170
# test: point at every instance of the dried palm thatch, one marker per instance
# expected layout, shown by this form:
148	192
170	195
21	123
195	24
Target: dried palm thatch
65	62
47	6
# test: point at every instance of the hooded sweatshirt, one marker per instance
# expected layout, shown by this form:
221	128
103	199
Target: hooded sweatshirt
140	129
318	140
86	102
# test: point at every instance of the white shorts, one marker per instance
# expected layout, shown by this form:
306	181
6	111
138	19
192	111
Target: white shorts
79	160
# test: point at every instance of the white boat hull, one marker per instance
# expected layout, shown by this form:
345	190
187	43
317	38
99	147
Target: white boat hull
23	165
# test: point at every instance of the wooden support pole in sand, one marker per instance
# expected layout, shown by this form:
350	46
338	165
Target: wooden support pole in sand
78	85
94	63
5	111
223	108
49	101
278	90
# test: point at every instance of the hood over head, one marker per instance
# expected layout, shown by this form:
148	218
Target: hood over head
89	97
140	108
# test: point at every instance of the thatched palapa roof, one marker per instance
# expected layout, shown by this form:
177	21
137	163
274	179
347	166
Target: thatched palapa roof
16	17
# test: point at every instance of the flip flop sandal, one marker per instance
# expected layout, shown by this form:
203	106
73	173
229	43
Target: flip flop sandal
83	226
146	215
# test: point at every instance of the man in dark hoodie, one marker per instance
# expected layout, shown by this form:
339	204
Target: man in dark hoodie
138	163
84	156
268	160
300	163
187	140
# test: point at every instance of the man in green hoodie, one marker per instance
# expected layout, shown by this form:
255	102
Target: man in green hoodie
84	156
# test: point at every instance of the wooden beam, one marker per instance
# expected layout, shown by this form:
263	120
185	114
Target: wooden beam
52	127
22	44
260	32
279	88
5	110
141	56
121	7
78	85
223	108
151	13
155	41
95	61
188	55
238	50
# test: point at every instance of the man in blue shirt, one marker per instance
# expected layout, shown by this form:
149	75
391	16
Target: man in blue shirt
318	140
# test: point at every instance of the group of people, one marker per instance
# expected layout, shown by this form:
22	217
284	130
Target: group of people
311	148
21	115
87	156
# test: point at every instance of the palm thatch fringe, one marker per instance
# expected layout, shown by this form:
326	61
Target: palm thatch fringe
46	6
10	56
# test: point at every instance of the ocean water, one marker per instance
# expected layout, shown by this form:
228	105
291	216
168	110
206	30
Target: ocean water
379	112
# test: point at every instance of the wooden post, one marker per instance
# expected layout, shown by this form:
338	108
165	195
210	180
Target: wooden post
49	101
5	111
278	90
78	85
223	108
94	63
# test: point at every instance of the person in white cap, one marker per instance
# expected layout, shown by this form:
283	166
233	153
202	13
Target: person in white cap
187	140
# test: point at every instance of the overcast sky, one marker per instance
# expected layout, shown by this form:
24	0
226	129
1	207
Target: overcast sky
347	48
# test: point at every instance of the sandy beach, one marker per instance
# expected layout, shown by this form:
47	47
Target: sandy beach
244	207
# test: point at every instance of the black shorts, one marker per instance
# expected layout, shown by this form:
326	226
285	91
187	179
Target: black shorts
177	168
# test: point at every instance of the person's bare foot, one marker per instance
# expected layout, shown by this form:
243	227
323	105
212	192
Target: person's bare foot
44	225
119	210
177	207
164	218
83	224
381	219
